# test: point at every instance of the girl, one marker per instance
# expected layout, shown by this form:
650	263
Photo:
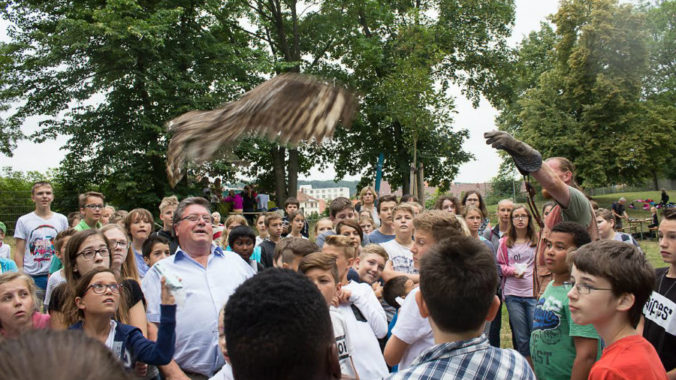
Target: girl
323	225
473	198
606	224
448	203
368	199
351	229
234	221
366	224
216	225
516	257
139	225
97	297
260	227
473	218
297	221
19	305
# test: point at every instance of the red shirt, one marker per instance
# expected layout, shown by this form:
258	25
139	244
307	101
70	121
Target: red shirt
632	357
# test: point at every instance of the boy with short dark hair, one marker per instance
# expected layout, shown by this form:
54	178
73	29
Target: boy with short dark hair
609	284
560	348
396	290
242	241
321	269
340	208
457	295
274	226
154	249
385	232
290	251
292	206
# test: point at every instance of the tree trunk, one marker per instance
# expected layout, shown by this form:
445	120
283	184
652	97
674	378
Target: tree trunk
421	184
292	169
278	164
656	184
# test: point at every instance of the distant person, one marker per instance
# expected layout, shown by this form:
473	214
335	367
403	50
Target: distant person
340	209
606	224
619	212
369	198
474	198
664	200
448	203
385	232
167	208
5	251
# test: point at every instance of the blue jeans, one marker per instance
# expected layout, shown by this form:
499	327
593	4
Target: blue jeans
521	318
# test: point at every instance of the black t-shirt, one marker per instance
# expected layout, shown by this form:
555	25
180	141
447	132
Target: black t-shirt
619	209
664	343
57	298
134	293
267	253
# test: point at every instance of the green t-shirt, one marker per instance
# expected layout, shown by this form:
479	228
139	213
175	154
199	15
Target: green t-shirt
84	226
55	265
578	210
551	342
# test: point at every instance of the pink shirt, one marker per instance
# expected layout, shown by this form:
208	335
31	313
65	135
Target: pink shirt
522	254
40	321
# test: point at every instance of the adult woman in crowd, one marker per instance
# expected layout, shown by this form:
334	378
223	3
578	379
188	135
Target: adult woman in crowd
139	226
19	306
448	203
474	198
249	202
368	199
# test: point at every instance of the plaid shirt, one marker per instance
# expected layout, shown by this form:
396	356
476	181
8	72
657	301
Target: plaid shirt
467	359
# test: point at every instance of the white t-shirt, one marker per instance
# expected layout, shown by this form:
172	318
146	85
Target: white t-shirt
55	280
224	374
39	235
342	343
5	252
413	329
368	359
400	256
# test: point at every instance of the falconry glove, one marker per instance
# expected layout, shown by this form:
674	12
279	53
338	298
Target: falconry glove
526	158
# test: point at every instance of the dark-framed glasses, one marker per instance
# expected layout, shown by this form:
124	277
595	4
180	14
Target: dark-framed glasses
89	254
582	288
101	288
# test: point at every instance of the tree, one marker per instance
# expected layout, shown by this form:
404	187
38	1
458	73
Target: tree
109	74
588	106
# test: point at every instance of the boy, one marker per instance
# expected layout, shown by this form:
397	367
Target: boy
340	208
277	326
321	269
291	206
154	249
58	277
385	232
457	295
167	208
396	290
5	252
273	224
560	348
363	313
368	267
242	241
290	251
91	208
656	330
399	249
412	334
609	284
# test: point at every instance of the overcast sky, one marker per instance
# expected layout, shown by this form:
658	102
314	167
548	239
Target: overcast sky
529	14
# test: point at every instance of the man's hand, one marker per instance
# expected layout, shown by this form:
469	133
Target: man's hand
526	158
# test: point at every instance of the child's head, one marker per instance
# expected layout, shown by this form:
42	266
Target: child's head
606	223
564	238
3	231
291	204
290	250
321	269
61	241
323	224
279	310
366	223
473	217
402	217
457	285
297	221
341	208
417	207
667	235
242	241
610	277
371	263
448	203
351	229
386	205
274	224
216	216
653	210
260	226
397	287
431	227
344	251
20	290
154	249
520	219
167	208
93	289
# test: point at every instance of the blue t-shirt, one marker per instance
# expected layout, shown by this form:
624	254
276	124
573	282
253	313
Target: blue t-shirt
377	237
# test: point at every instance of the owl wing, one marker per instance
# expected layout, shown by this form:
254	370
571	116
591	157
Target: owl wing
288	108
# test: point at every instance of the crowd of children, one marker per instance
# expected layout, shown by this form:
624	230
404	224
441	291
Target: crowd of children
389	290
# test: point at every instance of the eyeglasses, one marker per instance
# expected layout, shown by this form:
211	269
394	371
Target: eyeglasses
582	288
195	218
101	288
97	207
472	200
520	217
119	243
91	253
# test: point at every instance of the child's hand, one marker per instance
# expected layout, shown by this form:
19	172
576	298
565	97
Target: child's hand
167	297
344	296
377	289
140	369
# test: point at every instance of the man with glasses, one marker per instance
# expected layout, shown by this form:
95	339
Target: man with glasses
34	236
208	276
91	208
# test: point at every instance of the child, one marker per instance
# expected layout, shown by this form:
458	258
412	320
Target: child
4	248
260	227
351	229
606	224
385	232
273	224
412	334
516	256
560	348
609	284
399	249
242	240
292	207
366	223
290	251
59	276
321	269
18	306
340	209
97	297
323	225
457	294
154	249
297	224
369	266
364	315
654	219
656	331
396	290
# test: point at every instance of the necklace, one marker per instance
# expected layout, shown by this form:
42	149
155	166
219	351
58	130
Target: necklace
659	287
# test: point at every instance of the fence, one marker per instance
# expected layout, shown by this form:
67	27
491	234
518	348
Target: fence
12	206
647	186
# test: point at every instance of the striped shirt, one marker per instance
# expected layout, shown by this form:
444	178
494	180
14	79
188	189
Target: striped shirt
467	359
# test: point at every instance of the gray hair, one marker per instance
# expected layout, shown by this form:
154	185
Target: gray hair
178	215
